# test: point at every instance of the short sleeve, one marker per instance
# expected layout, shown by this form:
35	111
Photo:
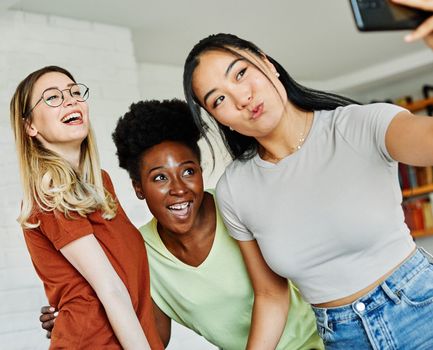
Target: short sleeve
226	207
61	230
364	127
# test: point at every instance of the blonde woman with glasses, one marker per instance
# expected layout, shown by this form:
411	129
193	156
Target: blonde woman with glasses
89	256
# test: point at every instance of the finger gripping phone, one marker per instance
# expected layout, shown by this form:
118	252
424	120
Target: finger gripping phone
372	15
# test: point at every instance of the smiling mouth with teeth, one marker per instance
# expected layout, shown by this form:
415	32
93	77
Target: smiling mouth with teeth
70	118
180	209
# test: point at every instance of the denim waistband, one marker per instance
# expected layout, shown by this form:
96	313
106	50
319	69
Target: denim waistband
388	289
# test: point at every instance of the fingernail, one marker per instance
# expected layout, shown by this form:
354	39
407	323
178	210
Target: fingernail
56	314
408	38
52	309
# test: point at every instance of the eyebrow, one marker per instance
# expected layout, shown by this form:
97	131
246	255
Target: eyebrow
56	87
162	167
155	168
229	68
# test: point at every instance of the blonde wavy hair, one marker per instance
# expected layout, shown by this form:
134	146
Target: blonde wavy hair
49	181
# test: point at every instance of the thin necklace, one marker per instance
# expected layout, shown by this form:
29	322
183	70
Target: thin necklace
297	147
302	134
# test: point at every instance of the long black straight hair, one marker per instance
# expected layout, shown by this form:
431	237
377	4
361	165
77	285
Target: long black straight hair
240	146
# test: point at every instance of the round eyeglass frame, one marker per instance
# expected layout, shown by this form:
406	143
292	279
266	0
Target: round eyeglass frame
83	98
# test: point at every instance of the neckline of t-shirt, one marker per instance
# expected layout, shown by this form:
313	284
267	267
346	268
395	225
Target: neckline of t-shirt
211	251
265	164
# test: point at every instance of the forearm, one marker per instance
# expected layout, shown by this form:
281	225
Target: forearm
268	321
88	257
123	319
271	299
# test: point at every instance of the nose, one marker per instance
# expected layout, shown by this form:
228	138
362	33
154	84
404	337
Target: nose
242	96
67	98
178	187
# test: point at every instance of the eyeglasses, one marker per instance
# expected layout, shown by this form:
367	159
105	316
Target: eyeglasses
54	97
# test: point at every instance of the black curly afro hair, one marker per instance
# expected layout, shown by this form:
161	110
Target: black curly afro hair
148	123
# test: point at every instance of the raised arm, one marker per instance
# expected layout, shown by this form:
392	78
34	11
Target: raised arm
409	139
271	299
88	257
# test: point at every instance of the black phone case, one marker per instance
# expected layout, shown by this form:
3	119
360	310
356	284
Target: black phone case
374	15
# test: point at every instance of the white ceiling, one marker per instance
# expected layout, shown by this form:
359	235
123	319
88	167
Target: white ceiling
315	40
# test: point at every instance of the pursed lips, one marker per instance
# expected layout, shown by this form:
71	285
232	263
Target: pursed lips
257	111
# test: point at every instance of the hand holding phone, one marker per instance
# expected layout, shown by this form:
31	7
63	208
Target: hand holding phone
373	15
425	29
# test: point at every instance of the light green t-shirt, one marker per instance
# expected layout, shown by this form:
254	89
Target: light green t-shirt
215	299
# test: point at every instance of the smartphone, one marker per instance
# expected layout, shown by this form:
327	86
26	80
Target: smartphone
372	15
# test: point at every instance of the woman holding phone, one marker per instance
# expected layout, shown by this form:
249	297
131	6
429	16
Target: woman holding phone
313	193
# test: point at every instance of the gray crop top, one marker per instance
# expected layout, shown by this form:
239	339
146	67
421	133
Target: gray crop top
329	216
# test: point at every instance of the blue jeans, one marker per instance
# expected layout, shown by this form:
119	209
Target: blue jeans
397	315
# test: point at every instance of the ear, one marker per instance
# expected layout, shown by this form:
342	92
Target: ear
30	128
269	65
138	189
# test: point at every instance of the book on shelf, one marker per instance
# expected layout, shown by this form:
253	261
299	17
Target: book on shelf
413	179
403	176
413	176
427	215
429	174
414	214
417	206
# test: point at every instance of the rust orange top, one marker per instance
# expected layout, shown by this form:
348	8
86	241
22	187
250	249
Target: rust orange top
82	322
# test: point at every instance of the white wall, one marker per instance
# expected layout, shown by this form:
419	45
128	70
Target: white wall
408	84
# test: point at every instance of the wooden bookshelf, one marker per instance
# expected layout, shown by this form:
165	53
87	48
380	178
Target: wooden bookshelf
417	191
422	233
418	105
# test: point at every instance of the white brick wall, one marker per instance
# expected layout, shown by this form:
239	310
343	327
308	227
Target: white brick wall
98	55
